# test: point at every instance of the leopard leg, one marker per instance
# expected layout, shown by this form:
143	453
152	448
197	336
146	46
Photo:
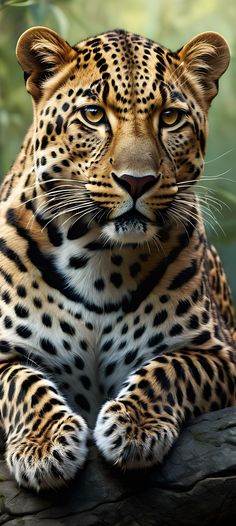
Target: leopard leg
46	443
138	428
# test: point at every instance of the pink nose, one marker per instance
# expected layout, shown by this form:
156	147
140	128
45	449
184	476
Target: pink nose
136	186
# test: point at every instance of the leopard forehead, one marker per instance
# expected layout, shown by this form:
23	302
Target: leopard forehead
132	65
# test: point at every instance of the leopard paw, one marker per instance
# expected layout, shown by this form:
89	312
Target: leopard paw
49	460
130	441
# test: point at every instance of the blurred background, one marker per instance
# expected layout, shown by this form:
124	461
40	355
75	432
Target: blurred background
172	23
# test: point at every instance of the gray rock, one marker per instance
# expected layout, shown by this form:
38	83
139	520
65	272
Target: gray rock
195	485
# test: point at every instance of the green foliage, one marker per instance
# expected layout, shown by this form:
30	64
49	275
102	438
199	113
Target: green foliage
171	22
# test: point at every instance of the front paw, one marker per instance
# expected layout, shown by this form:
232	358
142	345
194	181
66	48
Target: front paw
129	439
49	461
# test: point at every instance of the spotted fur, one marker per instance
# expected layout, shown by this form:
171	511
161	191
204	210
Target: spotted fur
115	312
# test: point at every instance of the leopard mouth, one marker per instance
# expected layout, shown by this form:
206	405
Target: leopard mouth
134	218
132	227
131	218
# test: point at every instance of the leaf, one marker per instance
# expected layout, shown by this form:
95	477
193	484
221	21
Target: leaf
228	196
16	3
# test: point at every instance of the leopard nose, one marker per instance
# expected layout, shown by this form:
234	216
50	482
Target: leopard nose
136	186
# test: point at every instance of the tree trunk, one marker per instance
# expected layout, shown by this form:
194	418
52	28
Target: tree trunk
195	485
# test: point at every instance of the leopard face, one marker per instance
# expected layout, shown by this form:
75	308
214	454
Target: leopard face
120	126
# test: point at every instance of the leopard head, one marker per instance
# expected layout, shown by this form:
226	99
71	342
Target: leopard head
120	125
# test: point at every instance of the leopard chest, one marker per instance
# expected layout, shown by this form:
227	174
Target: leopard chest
90	335
91	354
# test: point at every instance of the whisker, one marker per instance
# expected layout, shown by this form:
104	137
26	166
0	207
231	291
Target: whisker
219	156
210	219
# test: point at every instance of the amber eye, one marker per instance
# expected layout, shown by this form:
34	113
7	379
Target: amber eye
93	114
171	117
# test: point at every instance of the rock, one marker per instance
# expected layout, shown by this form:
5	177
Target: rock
195	485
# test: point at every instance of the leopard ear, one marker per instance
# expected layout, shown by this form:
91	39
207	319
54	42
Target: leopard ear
42	53
206	57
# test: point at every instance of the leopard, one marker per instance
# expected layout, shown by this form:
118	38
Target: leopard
116	317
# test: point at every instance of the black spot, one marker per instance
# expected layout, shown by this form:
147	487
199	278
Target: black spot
99	284
122	345
155	340
107	345
59	122
190	393
11	390
83	345
204	337
176	329
164	298
162	378
79	362
77	230
66	345
116	259
148	308
49	128
193	322
170	399
130	356
195	296
110	368
7	322
67	328
6	297
207	391
205	317
116	279
82	402
124	329
4	346
167	409
37	303
179	396
107	329
160	317
78	262
67	368
183	307
47	320
179	370
193	369
65	106
48	346
206	366
139	332
85	381
117	442
21	311
21	291
44	142
110	430
134	269
23	331
6	276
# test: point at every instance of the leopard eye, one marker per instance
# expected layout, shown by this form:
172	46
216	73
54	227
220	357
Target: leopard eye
93	114
171	117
